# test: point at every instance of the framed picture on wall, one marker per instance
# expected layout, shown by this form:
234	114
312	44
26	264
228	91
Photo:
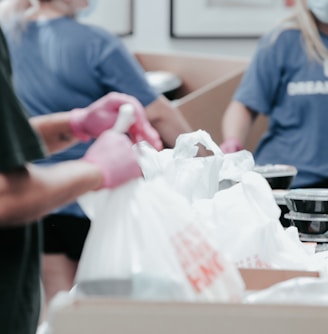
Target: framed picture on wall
225	18
113	15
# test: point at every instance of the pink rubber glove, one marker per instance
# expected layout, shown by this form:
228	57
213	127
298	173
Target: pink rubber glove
113	153
231	145
90	122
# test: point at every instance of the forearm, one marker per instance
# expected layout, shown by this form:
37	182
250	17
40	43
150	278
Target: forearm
167	120
236	122
54	130
28	194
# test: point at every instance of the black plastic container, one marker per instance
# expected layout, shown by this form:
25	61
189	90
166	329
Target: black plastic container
310	201
308	223
278	176
279	196
165	83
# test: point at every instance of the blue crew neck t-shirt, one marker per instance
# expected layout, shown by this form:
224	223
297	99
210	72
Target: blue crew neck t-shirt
292	90
62	64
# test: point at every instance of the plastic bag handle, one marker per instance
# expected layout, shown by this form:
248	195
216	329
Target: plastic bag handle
186	145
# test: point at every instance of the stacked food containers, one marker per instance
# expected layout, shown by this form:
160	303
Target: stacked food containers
309	213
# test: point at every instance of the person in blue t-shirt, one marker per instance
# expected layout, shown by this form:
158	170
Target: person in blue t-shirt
61	64
287	80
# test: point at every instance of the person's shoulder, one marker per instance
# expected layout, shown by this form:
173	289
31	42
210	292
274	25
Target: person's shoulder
279	41
86	36
280	36
288	35
95	31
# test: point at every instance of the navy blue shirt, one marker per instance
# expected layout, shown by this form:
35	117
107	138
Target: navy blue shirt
292	90
61	64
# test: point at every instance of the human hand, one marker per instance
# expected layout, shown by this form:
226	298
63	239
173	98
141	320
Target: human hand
113	153
231	145
90	122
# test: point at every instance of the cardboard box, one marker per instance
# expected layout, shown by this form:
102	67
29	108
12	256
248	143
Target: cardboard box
122	317
100	316
208	86
259	279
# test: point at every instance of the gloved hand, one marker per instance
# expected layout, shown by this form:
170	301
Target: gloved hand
231	145
90	122
113	153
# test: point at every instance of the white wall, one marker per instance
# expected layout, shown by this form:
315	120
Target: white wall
151	34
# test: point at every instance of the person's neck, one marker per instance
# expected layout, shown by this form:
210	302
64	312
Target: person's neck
49	10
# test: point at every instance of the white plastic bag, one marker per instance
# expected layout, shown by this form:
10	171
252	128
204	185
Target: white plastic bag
296	291
245	222
144	243
234	166
193	177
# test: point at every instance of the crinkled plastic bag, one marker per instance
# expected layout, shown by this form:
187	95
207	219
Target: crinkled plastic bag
144	243
244	220
234	166
193	177
296	291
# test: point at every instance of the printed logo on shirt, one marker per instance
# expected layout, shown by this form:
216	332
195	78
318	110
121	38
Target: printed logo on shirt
307	88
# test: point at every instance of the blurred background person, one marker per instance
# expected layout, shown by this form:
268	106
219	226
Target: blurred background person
60	64
287	82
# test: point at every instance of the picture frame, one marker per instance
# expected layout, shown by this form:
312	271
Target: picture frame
115	16
225	18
